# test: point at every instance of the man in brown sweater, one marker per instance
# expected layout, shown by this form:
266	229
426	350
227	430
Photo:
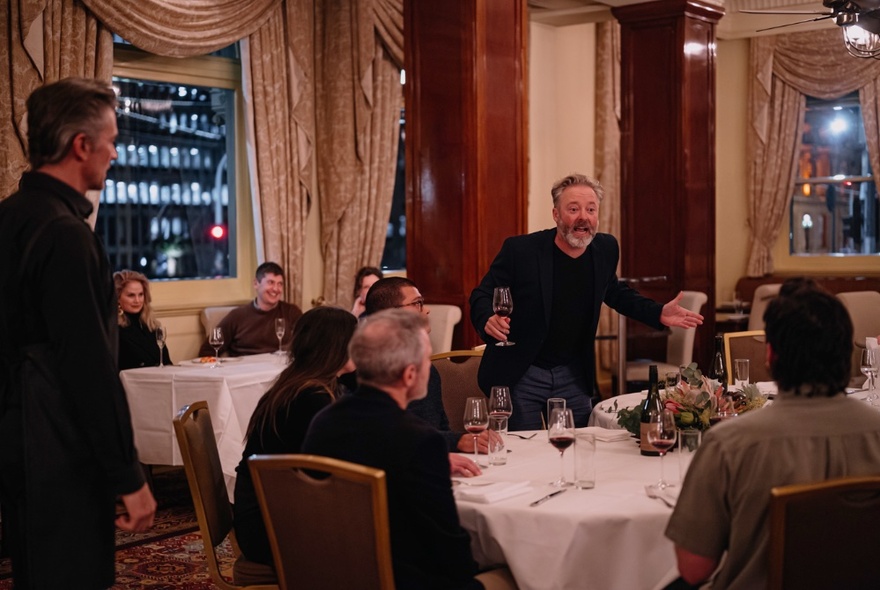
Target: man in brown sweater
250	328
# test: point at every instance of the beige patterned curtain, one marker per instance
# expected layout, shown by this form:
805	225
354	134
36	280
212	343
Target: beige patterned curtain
47	40
358	82
608	159
784	69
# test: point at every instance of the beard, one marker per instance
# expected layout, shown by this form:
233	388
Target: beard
571	239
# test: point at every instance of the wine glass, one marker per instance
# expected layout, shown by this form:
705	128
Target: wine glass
868	367
160	340
502	305
672	380
661	435
560	433
216	340
279	333
500	404
476	418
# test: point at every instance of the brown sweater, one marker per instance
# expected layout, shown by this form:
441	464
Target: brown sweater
248	330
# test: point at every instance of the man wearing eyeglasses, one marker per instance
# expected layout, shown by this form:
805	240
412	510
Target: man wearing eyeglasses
402	293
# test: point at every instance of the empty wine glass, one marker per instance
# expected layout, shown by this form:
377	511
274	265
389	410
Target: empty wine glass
279	333
476	418
868	367
500	404
216	340
502	305
661	435
560	433
160	340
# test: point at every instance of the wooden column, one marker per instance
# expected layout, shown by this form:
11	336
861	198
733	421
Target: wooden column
668	151
465	143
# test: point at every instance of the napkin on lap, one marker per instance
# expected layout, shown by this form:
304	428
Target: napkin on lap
606	434
493	492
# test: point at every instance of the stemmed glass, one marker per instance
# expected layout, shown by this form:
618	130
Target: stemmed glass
869	369
279	333
560	433
500	404
216	340
661	435
160	340
502	305
476	418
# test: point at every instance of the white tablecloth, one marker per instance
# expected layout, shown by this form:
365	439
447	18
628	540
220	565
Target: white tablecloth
609	537
232	391
605	415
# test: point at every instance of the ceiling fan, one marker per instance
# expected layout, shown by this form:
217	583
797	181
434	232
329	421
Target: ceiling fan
860	20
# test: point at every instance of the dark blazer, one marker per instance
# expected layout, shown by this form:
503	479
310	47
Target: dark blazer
525	264
429	548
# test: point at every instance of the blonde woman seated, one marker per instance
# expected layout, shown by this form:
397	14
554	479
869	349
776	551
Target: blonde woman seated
137	326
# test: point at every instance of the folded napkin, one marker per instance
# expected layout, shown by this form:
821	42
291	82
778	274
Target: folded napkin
606	434
766	387
493	492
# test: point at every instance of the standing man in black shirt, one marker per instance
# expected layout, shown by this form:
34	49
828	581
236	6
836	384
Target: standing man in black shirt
66	445
558	281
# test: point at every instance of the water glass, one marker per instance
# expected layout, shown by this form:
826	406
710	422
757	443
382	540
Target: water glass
497	451
688	443
740	373
585	461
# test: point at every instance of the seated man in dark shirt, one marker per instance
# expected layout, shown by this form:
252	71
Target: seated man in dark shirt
391	350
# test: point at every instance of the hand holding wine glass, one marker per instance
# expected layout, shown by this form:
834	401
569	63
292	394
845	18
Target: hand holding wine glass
560	433
502	305
216	340
476	418
160	340
279	333
661	435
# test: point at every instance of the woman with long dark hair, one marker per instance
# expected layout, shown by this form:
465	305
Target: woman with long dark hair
318	355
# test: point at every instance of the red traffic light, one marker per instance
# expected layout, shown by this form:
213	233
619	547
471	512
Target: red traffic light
218	232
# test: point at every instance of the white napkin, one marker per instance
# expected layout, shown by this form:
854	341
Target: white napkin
606	434
493	492
766	387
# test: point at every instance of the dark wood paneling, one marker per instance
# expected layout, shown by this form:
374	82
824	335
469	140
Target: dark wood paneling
465	143
668	151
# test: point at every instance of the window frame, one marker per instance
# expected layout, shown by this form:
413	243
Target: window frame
220	73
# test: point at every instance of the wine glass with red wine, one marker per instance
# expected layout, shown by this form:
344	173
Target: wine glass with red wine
476	418
661	435
560	432
502	305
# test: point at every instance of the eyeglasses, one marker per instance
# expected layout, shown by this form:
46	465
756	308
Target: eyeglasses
418	304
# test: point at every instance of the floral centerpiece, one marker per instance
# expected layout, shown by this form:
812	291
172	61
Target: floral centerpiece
696	400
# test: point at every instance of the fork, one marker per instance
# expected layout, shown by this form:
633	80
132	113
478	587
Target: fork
456	482
521	436
652	493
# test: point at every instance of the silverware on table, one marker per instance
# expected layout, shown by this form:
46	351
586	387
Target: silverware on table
532	435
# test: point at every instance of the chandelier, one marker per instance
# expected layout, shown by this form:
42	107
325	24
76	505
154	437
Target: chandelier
861	42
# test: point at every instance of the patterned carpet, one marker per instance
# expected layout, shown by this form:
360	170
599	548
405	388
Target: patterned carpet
168	556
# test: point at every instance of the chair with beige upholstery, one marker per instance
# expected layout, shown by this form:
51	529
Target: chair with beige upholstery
824	535
764	294
201	461
458	377
442	319
326	532
864	311
679	344
751	345
211	316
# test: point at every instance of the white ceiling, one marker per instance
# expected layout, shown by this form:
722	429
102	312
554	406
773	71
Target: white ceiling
733	25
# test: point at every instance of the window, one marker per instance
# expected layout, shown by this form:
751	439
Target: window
394	255
834	209
168	208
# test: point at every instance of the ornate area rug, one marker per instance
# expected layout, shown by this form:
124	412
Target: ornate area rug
168	556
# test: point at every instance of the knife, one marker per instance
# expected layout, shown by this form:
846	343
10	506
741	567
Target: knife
540	501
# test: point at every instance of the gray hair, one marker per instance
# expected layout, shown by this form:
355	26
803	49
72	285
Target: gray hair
386	343
58	112
576	180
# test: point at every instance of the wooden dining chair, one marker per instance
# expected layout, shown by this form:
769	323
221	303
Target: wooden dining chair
327	521
201	461
751	345
458	379
825	535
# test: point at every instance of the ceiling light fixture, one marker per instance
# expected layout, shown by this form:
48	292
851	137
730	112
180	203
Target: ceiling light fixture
861	42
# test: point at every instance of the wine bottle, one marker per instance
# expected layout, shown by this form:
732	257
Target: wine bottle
651	406
719	369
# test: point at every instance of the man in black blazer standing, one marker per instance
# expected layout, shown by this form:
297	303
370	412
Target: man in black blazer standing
558	281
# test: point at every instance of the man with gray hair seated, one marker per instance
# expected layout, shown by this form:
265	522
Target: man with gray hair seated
429	549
